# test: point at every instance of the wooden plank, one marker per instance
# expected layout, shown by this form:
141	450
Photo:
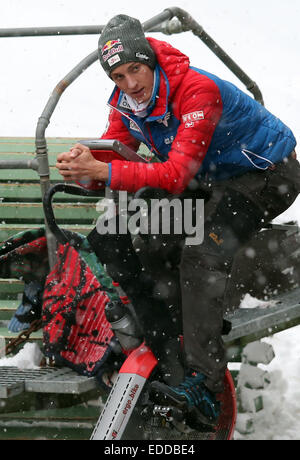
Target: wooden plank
6	230
83	413
31	140
8	308
30	148
11	288
30	191
10	305
33	212
66	423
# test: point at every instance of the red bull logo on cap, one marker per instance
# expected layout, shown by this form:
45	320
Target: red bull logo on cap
110	48
109	45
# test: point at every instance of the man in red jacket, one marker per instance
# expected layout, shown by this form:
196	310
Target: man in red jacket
215	143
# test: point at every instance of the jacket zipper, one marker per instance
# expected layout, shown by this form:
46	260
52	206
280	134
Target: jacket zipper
152	141
139	129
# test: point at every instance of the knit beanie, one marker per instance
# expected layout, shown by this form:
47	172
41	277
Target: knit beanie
122	41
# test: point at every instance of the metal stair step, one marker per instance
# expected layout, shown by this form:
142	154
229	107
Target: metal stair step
255	323
43	380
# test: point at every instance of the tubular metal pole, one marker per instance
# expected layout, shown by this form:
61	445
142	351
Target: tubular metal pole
190	24
50	31
152	23
19	164
41	143
160	23
60	31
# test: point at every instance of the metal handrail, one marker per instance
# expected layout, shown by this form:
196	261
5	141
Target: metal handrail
19	164
50	31
62	236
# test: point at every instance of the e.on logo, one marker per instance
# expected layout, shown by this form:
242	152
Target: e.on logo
190	118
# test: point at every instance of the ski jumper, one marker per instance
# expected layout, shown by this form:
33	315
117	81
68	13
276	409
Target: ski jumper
203	128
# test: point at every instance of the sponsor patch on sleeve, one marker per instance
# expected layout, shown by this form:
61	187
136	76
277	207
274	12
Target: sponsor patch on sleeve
190	118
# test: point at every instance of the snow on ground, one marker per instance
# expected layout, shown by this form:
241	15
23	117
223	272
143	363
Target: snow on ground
280	418
262	37
29	357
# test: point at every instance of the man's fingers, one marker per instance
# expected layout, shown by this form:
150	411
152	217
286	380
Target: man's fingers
63	166
68	174
65	156
78	149
75	152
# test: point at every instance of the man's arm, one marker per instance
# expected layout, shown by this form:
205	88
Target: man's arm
84	166
188	149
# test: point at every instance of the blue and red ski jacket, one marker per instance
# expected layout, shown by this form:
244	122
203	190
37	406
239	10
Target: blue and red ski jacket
198	125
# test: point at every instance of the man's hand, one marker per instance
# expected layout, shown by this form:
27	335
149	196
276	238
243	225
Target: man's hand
79	163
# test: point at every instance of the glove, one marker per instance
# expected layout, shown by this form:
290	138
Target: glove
15	325
29	309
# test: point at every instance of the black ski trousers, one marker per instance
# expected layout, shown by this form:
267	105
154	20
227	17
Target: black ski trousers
236	210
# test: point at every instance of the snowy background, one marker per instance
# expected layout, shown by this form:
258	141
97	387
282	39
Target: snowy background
261	36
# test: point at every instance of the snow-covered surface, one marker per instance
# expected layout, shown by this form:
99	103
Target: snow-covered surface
261	36
280	418
251	302
29	357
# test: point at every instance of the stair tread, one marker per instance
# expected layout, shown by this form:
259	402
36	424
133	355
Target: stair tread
10	305
20	191
64	212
